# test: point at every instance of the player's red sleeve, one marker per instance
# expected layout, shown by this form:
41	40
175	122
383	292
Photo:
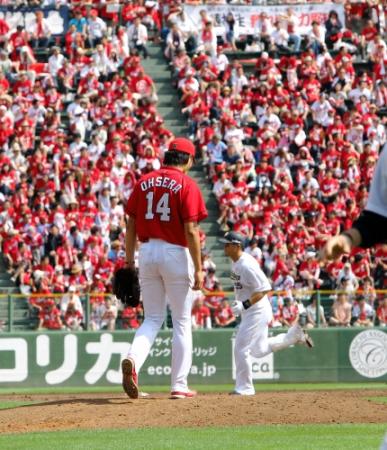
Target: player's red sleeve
193	206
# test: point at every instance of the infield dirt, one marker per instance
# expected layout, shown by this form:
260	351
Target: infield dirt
61	412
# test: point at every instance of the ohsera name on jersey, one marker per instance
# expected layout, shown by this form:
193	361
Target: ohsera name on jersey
165	182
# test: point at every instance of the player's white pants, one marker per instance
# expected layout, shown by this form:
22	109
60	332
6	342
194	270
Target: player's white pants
252	340
166	270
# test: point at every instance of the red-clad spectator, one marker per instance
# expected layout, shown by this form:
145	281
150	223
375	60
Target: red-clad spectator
78	279
361	267
66	255
223	315
73	317
289	313
49	317
201	315
131	317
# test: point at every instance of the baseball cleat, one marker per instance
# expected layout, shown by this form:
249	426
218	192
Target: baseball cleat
129	378
240	394
308	341
179	395
234	393
143	394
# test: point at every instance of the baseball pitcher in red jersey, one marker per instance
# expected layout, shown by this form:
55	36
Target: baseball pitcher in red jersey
163	212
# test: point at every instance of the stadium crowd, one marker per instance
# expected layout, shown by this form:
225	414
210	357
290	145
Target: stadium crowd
290	139
289	148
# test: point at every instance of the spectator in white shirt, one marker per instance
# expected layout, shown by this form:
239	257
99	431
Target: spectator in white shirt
40	32
308	181
138	37
76	146
347	280
263	30
320	110
272	119
220	61
222	185
253	250
55	61
239	80
316	38
376	48
235	136
71	295
104	204
96	147
291	24
174	42
101	60
186	28
36	112
96	28
356	93
280	37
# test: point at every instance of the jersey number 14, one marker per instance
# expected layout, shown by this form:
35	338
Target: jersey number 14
162	207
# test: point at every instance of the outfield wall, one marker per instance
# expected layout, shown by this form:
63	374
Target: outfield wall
93	359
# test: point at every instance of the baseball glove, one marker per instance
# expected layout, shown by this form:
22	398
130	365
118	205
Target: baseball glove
126	286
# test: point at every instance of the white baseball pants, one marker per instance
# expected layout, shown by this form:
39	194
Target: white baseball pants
166	270
252	340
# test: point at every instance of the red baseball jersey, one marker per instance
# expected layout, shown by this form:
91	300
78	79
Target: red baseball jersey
162	201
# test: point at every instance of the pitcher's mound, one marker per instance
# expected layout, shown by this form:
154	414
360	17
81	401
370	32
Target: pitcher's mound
60	412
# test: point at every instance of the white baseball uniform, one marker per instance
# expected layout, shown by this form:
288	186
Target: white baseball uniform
252	335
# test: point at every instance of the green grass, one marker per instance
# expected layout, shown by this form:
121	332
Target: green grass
273	437
262	387
13	404
378	399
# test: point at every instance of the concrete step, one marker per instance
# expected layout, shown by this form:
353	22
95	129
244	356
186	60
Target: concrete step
165	88
4	276
170	113
6	283
177	123
209	227
212	214
17	315
162	78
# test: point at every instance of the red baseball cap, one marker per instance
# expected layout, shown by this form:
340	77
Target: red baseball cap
183	145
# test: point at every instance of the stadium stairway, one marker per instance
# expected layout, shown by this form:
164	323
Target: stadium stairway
168	107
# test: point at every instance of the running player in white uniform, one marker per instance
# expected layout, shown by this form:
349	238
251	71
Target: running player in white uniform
252	303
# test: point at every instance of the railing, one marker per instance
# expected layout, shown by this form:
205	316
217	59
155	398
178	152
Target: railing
26	306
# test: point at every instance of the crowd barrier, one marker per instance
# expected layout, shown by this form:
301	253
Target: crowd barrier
17	308
93	359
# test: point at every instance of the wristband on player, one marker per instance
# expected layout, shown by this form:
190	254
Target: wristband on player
246	304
